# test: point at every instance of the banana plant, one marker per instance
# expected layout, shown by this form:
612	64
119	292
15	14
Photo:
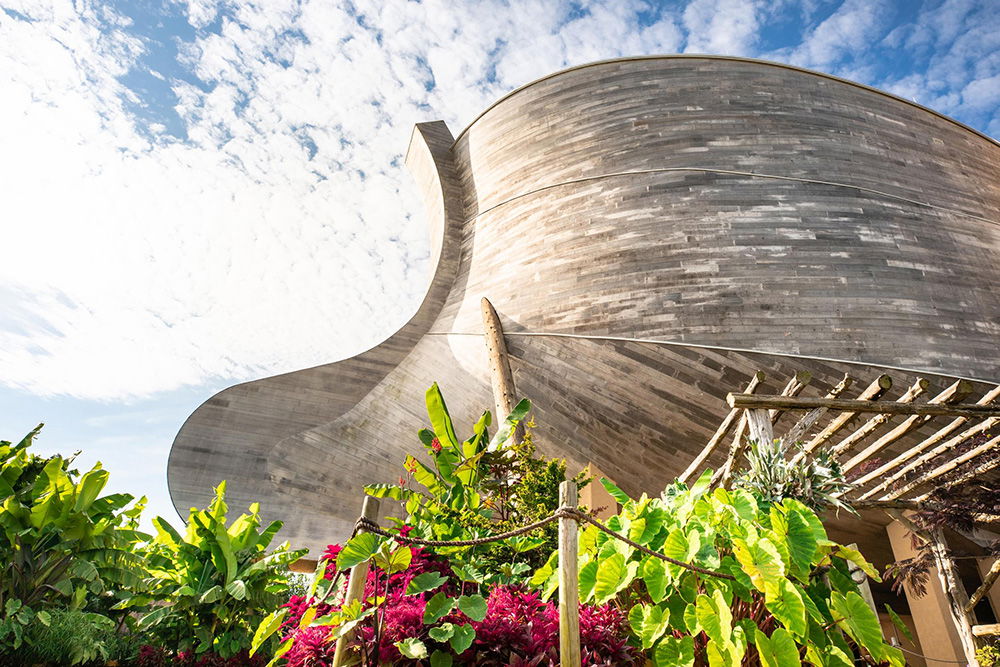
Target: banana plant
208	588
61	541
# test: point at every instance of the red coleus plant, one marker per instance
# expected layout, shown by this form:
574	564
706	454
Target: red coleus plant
519	629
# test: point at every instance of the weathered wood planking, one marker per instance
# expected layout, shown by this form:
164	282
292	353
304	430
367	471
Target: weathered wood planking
804	222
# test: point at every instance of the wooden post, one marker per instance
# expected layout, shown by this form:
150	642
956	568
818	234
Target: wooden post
957	596
569	583
356	582
501	377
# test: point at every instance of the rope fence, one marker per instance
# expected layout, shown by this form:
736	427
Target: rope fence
569	518
563	512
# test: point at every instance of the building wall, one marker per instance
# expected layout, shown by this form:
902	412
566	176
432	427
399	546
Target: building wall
746	214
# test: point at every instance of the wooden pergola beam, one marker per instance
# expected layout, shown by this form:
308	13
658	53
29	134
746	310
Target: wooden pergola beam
970	432
953	394
873	423
721	432
949	466
803	425
747	401
915	506
872	392
792	388
984	588
923	445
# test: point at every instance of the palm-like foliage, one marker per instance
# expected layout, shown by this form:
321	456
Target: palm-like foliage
219	581
60	540
771	476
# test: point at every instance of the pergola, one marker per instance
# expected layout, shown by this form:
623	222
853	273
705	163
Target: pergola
901	450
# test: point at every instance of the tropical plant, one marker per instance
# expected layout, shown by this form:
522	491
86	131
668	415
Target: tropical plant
785	594
61	541
770	474
207	589
479	486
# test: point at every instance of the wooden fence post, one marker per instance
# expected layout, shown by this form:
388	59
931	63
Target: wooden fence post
356	582
569	583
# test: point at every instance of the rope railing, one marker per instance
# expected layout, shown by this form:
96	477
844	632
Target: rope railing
371	526
569	518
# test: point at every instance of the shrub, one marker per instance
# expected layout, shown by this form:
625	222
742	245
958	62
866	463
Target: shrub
207	589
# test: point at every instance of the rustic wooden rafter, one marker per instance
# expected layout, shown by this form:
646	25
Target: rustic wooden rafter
873	423
923	445
953	394
724	428
872	392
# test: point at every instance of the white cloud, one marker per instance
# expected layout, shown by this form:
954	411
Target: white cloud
851	29
727	27
278	235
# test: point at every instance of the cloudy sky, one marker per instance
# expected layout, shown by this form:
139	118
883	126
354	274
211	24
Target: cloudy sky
200	193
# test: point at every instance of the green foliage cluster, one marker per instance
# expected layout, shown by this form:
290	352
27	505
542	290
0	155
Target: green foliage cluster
62	544
74	569
791	597
477	487
206	590
772	476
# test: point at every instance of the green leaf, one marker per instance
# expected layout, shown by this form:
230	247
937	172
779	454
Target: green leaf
427	581
615	492
858	620
413	648
285	647
358	549
674	652
213	594
854	556
462	639
777	651
441	659
268	627
760	560
898	622
89	487
588	579
396	560
237	588
44	618
440	419
784	601
656	578
506	429
714	617
442	633
438	606
650	623
612	574
473	606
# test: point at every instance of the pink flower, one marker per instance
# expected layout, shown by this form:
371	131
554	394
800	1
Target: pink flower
436	445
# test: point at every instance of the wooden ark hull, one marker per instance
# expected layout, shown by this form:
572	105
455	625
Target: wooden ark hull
651	231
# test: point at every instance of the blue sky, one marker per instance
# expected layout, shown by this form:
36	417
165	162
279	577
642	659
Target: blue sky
198	193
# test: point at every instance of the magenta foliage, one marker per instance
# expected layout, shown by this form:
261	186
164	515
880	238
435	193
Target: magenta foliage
520	629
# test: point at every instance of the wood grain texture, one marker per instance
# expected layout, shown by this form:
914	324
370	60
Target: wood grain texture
750	216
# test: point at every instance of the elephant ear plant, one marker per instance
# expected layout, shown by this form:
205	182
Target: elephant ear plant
788	598
207	589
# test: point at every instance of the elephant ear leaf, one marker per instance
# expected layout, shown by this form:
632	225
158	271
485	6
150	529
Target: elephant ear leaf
859	621
777	651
